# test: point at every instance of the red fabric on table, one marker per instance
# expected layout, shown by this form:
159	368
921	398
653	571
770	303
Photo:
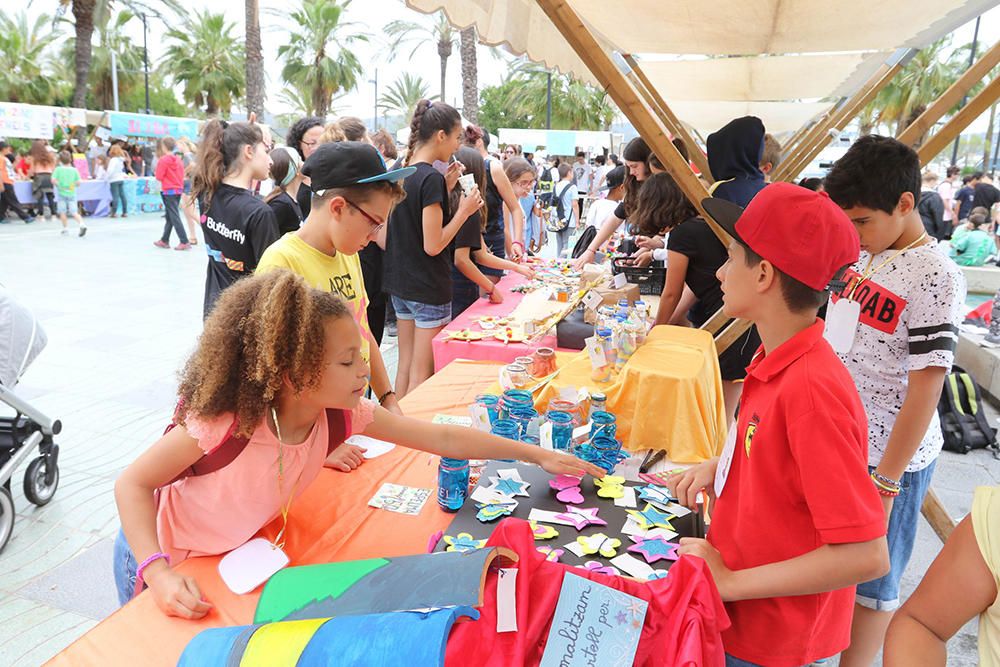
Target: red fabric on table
683	621
447	351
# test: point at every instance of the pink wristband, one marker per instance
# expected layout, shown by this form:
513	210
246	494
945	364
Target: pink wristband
146	563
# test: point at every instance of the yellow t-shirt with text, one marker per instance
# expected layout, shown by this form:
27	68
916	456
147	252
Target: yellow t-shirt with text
340	274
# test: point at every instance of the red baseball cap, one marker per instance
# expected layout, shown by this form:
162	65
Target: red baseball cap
803	233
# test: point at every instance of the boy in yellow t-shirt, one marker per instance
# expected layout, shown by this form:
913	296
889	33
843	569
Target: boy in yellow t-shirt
353	195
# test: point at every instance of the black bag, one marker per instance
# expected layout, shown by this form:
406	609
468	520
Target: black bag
582	243
963	415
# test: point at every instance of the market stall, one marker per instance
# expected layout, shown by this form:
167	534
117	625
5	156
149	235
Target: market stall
143	195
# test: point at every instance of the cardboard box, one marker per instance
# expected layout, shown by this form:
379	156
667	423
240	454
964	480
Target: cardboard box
594	272
611	297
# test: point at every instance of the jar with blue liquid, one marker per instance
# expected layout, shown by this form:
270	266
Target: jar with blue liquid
514	398
562	430
491	402
453	483
527	421
603	425
506	428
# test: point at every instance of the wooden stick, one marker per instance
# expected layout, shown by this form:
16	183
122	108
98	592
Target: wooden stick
970	112
937	516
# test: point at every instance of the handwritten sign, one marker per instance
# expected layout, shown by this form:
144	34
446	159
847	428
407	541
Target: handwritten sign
593	625
401	499
141	125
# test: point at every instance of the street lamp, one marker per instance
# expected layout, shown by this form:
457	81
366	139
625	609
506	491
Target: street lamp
142	11
548	95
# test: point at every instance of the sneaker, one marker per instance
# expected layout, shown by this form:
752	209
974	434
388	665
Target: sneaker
29	220
990	341
183	246
160	244
390	330
83	230
64	232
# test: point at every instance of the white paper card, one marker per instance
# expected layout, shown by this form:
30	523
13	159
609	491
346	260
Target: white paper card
575	547
593	300
453	420
507	600
372	447
725	460
247	567
632	528
632	566
627	500
401	499
581	433
620	280
488	496
677	510
596	352
545	435
480	417
545	516
842	324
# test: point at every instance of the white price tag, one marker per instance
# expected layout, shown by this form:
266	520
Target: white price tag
593	300
842	324
507	600
480	417
725	460
620	280
596	352
545	435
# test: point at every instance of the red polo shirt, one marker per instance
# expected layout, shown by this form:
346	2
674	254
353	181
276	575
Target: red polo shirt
798	480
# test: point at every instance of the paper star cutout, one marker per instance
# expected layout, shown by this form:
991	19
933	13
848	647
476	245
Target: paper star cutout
581	517
509	486
655	549
551	553
463	542
610	487
494	511
650	517
657	574
596	566
655	494
599	543
542	531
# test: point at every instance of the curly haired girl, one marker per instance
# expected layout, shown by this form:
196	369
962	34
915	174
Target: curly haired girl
279	363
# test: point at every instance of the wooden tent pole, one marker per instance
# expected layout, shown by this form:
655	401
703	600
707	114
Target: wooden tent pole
970	112
845	114
808	139
949	98
659	105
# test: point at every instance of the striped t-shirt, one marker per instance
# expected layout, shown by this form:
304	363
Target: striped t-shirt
910	312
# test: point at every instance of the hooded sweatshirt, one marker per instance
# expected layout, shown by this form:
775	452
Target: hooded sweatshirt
734	155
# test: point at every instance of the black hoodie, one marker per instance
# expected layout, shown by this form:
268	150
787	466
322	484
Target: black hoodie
734	155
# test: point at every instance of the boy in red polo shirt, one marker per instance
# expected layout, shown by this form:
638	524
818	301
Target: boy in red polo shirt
796	522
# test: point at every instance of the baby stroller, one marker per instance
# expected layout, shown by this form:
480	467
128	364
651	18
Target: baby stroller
21	339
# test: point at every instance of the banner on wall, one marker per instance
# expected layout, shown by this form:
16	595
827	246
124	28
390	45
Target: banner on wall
141	125
33	121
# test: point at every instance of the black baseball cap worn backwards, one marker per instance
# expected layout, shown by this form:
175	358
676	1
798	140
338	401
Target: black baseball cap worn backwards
342	164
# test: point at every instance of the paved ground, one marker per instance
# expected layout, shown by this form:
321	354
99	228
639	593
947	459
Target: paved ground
121	315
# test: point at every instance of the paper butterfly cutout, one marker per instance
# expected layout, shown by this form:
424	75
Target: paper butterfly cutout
657	574
561	482
650	517
610	486
654	549
509	486
542	531
551	553
597	566
463	542
655	494
568	488
599	543
581	517
572	496
494	511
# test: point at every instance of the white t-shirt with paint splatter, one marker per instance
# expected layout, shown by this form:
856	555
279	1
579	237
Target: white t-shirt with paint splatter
910	313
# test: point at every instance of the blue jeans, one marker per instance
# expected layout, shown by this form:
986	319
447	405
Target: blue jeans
464	293
883	594
425	315
496	242
125	567
171	206
732	661
562	240
118	195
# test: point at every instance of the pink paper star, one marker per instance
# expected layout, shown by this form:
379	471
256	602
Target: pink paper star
581	517
654	549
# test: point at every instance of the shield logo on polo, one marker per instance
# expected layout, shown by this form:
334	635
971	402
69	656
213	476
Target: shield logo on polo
751	431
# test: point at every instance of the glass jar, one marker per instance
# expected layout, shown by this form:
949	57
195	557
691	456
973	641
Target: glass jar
516	375
506	428
453	483
525	361
571	407
598	402
603	373
603	425
530	440
604	452
526	420
562	430
514	398
543	362
491	403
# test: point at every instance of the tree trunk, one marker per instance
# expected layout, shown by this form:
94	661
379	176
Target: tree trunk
470	80
254	61
83	15
988	148
444	52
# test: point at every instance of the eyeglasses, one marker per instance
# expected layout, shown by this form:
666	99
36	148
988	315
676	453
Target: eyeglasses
525	184
509	150
376	225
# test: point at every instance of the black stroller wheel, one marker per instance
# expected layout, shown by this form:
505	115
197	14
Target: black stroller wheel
35	488
6	516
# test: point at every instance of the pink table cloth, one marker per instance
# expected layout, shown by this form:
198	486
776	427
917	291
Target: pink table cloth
446	351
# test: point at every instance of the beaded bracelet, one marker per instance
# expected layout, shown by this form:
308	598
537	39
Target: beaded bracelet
886	480
142	567
883	488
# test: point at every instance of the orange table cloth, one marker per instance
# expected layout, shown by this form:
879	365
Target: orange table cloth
331	521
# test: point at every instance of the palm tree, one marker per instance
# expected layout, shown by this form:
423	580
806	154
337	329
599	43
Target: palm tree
208	60
22	55
404	93
470	75
100	81
319	57
575	105
254	60
441	33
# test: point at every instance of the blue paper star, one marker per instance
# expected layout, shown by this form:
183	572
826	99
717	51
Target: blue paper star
511	487
650	517
655	494
655	549
657	574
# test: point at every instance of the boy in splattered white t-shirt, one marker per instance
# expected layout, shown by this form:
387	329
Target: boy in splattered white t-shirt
896	332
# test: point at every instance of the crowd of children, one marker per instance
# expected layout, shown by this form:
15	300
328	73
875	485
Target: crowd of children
835	427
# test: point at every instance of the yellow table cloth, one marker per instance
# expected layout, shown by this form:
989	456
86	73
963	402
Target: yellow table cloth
668	396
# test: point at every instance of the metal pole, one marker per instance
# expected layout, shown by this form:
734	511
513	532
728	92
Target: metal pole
114	77
965	98
376	99
145	61
548	103
996	148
